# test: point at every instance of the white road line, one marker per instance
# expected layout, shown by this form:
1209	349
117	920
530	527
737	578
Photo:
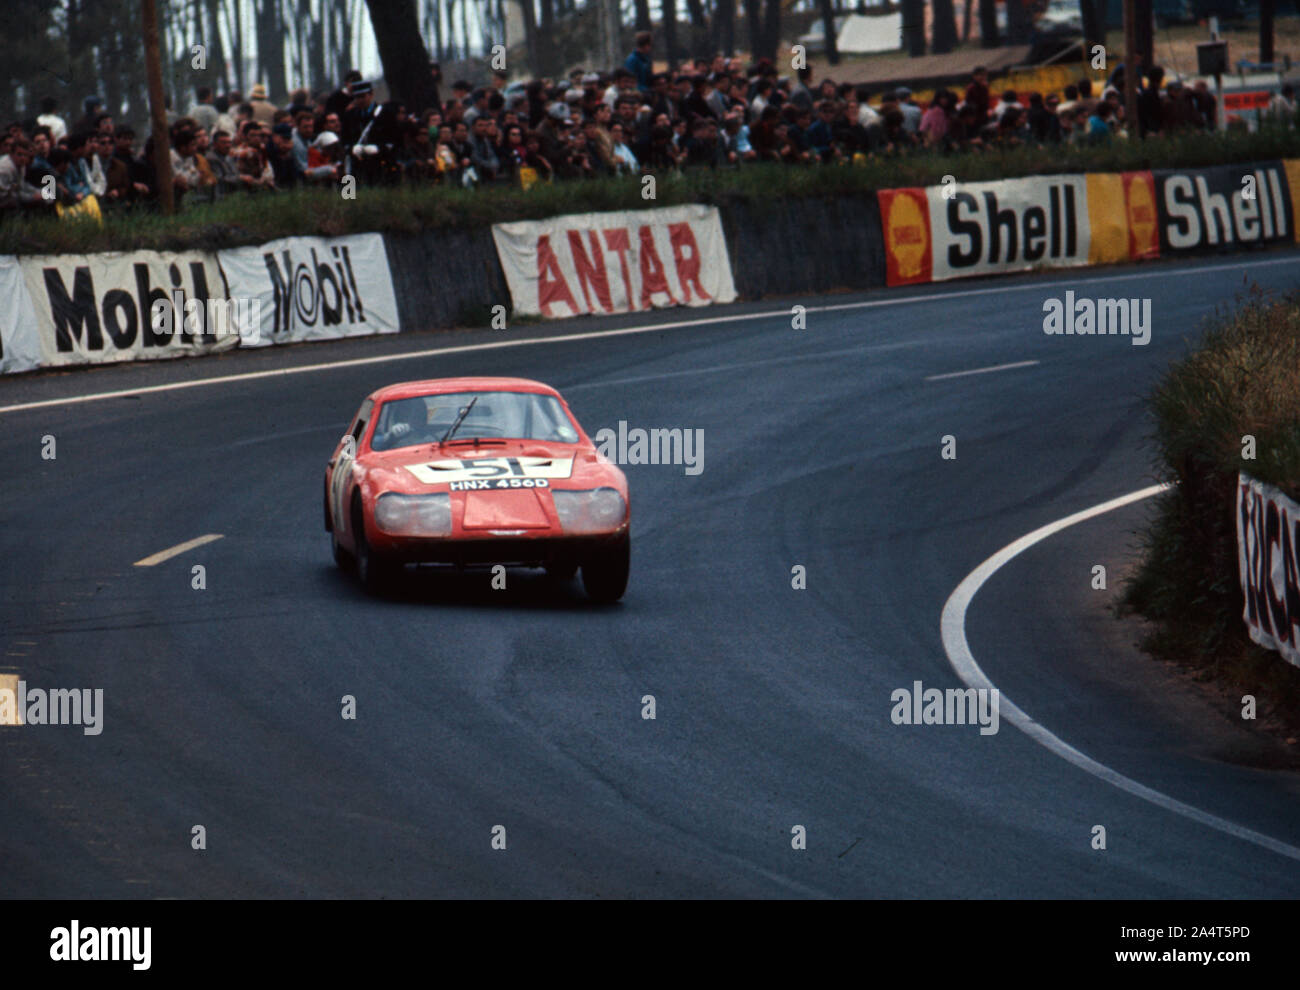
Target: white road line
248	376
981	371
177	550
953	626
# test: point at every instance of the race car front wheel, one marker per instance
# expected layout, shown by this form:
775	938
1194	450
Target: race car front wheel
562	570
341	556
373	571
604	573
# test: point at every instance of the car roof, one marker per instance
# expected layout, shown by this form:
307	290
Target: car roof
439	386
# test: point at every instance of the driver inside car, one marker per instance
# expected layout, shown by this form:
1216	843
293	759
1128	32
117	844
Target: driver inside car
397	425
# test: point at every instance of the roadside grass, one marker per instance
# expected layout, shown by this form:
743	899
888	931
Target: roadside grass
241	220
1242	378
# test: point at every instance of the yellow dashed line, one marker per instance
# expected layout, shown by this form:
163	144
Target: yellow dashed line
180	548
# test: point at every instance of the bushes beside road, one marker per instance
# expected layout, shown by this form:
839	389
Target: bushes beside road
253	219
1243	379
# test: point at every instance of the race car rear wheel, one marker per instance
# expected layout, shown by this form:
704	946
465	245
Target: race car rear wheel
604	573
375	573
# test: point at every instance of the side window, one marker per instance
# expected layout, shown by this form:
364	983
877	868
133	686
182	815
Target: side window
359	424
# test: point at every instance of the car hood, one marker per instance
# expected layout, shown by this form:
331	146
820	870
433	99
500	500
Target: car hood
429	468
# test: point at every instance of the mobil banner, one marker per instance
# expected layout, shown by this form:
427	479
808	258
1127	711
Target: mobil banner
312	288
100	308
1268	564
618	262
959	229
20	342
1224	207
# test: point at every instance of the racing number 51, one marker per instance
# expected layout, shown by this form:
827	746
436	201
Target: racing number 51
492	467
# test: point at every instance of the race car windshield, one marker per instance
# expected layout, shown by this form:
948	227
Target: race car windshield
505	415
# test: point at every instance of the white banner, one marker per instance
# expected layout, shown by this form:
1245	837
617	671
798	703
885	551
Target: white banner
20	341
618	262
313	288
99	308
1010	225
1268	563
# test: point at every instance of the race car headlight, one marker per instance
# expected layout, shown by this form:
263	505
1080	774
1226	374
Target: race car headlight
597	511
413	515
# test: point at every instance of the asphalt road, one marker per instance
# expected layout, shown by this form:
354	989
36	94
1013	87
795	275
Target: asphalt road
522	708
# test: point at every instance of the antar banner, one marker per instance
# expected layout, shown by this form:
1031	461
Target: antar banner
99	308
313	288
618	262
1268	562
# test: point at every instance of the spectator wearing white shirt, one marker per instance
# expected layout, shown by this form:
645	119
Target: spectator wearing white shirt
203	112
1008	101
48	118
1282	108
623	157
867	115
910	110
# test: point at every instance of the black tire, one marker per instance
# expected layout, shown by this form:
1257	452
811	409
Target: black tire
373	571
563	570
341	556
604	573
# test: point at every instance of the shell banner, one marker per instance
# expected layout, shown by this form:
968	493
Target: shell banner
1060	221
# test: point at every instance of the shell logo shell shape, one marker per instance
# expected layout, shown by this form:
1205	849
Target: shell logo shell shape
905	217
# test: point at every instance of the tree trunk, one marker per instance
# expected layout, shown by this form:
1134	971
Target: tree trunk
1145	30
612	24
402	52
988	24
1018	26
827	9
218	71
535	67
1094	25
772	29
162	157
724	19
966	9
914	27
320	79
1266	30
235	23
643	15
944	37
754	25
270	48
670	30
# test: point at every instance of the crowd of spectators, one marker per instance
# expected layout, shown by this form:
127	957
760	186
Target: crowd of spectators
705	113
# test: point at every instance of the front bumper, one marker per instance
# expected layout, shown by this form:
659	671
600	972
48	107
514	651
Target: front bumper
484	551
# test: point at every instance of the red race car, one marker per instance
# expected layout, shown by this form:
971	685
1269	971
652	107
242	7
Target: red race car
476	472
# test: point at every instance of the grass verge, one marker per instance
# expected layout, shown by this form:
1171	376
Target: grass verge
1243	378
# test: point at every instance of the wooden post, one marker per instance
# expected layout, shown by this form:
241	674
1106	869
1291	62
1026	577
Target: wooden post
162	147
1131	67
